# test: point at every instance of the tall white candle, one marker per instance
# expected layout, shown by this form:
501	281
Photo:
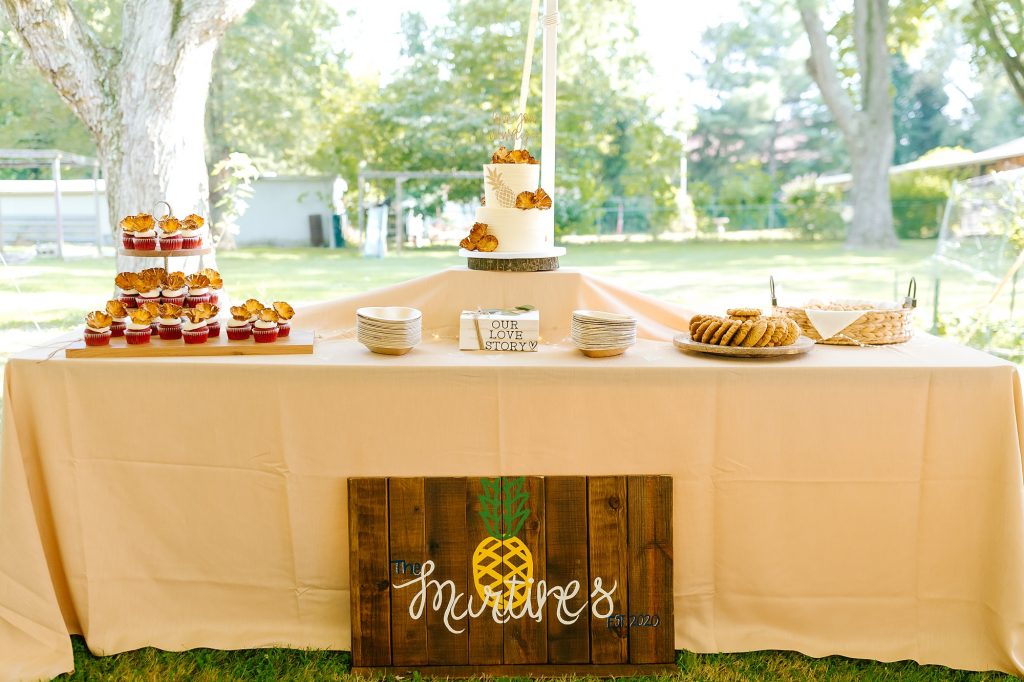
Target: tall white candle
547	130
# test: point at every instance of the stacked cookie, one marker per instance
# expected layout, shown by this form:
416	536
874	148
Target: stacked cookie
744	327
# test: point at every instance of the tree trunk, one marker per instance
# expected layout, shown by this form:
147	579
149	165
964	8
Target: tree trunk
872	207
144	104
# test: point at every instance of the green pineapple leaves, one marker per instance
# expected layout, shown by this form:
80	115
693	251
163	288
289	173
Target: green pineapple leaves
504	519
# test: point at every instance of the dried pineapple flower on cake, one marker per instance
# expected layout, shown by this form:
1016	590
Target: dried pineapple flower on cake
143	222
487	243
253	306
175	281
240	313
152	307
539	199
196	220
269	315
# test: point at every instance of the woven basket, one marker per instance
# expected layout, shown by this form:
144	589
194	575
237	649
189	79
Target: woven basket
874	328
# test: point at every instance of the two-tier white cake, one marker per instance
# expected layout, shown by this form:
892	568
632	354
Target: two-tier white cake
517	216
529	230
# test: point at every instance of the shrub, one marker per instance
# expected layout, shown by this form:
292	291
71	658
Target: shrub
814	212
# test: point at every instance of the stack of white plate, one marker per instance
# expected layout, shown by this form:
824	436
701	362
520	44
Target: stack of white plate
389	330
602	335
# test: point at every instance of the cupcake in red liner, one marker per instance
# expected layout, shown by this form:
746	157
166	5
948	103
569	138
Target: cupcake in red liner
139	330
239	327
264	330
127	293
127	226
154	313
145	232
174	289
170	235
147	283
194	329
216	284
191	232
285	313
198	290
97	328
170	322
209	312
118	313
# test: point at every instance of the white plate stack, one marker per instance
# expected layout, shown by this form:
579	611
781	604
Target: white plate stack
390	330
602	335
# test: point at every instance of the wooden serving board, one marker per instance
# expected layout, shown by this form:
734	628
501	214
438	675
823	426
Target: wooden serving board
297	343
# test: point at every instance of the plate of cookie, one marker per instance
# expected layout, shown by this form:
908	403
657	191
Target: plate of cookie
744	333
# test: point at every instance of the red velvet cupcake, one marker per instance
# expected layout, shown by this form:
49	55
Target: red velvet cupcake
265	330
170	237
198	290
139	330
119	313
285	313
190	232
97	328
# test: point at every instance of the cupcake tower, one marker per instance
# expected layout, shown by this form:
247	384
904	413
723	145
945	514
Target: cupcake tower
174	306
143	232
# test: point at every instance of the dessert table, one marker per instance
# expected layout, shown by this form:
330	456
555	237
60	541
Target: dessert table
867	502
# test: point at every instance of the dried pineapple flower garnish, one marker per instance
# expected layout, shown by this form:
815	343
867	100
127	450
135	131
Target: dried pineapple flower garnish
477	232
116	309
152	308
487	243
125	280
253	306
205	311
174	281
197	281
144	285
98	320
192	315
170	225
215	279
269	315
505	155
240	312
140	316
538	199
198	220
154	274
144	221
170	310
127	223
284	311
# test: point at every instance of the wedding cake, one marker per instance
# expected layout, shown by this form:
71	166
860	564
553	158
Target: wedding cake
516	214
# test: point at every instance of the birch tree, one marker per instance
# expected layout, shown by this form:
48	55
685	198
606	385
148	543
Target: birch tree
866	124
142	100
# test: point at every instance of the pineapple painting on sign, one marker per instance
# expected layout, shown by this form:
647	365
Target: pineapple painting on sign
502	563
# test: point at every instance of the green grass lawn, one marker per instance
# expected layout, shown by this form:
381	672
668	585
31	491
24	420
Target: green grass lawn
272	665
701	276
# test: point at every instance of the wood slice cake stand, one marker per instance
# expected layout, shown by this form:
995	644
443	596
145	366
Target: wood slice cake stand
532	261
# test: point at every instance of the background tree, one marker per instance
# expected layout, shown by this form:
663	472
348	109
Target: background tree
436	112
138	81
865	120
998	28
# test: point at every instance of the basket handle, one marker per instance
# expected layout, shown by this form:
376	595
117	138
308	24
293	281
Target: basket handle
170	211
911	300
771	288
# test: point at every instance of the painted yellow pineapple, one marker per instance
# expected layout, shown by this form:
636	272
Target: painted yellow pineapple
502	192
502	558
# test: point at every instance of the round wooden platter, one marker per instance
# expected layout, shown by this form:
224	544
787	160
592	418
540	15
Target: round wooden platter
683	341
539	261
157	253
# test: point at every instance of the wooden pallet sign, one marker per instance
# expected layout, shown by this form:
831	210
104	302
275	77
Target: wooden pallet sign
512	576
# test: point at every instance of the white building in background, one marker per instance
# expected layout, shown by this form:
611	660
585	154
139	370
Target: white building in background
278	214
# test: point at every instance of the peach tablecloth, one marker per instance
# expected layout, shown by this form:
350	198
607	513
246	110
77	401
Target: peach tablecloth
865	502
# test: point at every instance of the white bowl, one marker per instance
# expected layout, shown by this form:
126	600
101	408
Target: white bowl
390	313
